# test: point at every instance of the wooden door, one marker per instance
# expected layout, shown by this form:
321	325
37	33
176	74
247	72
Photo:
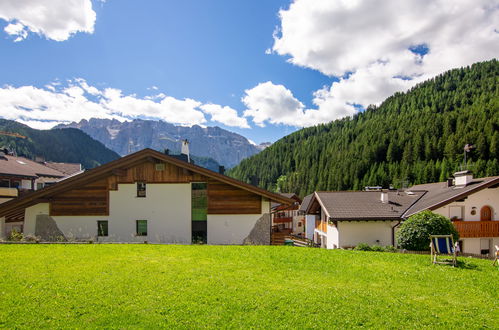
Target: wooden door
486	213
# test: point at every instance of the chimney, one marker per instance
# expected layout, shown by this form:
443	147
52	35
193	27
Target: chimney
384	197
221	169
166	151
463	178
185	149
449	182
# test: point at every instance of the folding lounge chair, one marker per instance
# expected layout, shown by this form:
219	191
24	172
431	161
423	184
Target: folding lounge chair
496	260
443	245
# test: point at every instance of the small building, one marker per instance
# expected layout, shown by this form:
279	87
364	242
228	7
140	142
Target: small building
147	196
344	219
471	204
286	219
19	176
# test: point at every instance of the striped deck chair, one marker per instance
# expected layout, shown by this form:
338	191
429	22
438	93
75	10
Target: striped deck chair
496	260
443	245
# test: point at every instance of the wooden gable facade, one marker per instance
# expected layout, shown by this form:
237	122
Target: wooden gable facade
92	199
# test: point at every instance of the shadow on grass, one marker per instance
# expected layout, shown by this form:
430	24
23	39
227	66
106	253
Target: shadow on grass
463	264
466	265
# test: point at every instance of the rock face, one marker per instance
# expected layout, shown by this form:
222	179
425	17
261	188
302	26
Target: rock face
227	148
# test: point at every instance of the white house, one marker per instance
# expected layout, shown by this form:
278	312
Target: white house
147	196
471	204
344	219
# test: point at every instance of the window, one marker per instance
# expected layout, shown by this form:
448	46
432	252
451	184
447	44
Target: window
141	189
5	183
141	227
102	228
39	185
199	212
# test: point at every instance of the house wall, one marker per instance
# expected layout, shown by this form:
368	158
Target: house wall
233	228
352	233
26	184
332	237
167	209
30	217
479	199
310	226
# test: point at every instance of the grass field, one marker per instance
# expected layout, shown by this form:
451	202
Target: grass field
150	286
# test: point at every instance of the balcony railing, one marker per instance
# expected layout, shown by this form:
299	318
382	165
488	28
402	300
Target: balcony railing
477	228
322	226
282	219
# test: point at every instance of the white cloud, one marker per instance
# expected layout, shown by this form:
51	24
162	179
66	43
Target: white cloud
268	102
63	103
55	19
369	46
225	115
273	103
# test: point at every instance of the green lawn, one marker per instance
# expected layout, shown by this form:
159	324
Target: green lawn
149	286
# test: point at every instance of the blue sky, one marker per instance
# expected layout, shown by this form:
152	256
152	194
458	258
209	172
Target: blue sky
260	68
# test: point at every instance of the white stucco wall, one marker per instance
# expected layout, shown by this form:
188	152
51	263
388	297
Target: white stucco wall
310	226
2	228
26	184
30	217
479	199
232	228
474	245
167	209
332	237
489	197
352	233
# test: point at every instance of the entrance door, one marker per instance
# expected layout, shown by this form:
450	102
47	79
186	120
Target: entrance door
486	213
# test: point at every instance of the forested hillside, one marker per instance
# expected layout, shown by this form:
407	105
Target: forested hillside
413	137
58	145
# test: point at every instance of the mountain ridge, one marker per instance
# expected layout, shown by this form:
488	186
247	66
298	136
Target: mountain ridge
225	147
71	146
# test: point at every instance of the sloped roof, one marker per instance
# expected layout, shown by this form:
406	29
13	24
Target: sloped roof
364	205
439	194
20	166
124	162
305	202
66	168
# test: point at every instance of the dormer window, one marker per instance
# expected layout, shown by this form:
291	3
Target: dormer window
141	189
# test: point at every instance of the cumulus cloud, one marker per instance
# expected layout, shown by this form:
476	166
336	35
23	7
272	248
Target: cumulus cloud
63	103
268	102
376	48
54	19
225	115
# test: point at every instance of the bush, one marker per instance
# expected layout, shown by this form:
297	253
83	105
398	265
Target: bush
414	234
15	236
363	247
377	248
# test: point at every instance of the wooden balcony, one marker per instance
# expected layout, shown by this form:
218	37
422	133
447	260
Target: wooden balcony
283	220
469	229
322	226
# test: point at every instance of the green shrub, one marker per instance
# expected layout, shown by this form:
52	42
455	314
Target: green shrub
363	247
390	248
414	234
377	248
15	236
